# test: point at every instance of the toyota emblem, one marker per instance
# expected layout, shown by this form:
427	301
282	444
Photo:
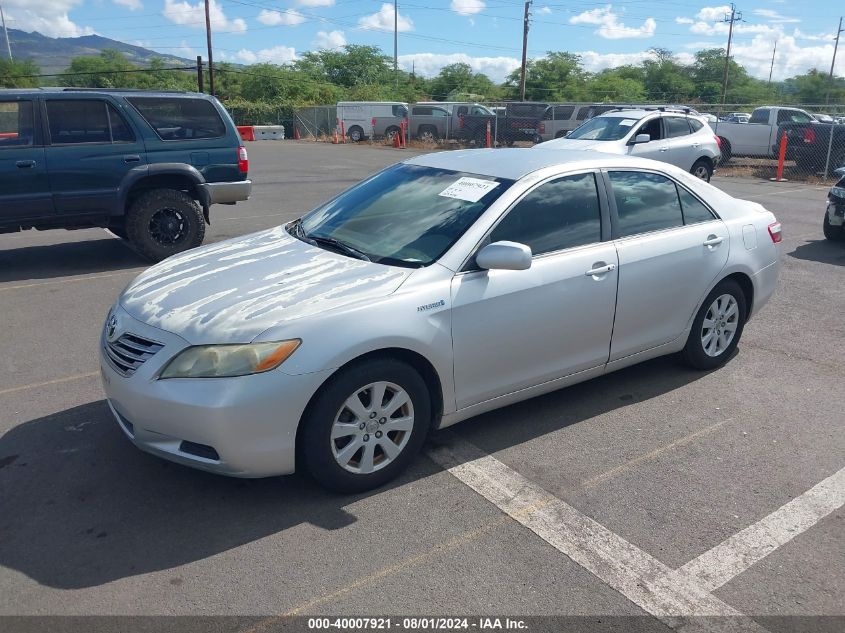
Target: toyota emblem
111	327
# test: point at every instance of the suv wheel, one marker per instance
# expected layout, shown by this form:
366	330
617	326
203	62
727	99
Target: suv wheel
163	222
356	134
717	327
702	169
366	425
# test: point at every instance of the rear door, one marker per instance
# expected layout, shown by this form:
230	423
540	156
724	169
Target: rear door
671	247
684	148
92	148
24	184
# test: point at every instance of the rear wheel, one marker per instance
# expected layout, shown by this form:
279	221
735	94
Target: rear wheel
366	425
356	134
702	169
163	222
726	150
717	327
833	233
427	134
390	132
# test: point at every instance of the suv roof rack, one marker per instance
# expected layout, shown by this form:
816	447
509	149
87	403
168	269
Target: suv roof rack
683	109
72	89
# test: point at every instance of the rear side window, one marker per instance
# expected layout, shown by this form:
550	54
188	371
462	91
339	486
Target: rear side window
422	111
760	115
560	214
676	126
73	121
645	202
694	210
176	119
562	113
696	125
16	129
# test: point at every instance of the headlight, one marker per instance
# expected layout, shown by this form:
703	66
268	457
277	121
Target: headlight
220	361
837	192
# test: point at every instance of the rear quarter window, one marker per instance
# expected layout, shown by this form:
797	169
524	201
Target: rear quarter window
177	119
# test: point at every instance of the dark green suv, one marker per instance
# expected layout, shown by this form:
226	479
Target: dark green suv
145	165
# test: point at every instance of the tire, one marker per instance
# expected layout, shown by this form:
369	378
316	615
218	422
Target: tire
427	134
390	132
323	456
726	151
355	134
833	233
703	169
163	222
695	353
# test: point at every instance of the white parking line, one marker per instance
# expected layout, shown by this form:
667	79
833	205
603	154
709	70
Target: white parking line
733	556
641	578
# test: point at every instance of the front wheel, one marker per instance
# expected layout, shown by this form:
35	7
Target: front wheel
702	169
163	222
717	327
366	426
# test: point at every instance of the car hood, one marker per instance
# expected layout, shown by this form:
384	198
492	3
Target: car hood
230	292
608	147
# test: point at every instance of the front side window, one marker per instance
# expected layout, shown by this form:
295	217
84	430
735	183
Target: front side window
16	128
563	113
645	202
605	128
652	128
760	115
793	116
563	213
179	118
400	111
676	126
407	215
438	112
478	110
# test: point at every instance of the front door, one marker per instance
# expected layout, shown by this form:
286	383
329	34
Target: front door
24	185
93	146
671	248
516	329
657	148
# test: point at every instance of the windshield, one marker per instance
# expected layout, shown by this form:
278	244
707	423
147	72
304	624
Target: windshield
604	128
407	215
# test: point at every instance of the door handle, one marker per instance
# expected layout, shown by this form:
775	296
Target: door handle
713	240
25	164
132	158
600	269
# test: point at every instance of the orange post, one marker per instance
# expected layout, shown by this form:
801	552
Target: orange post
402	128
781	157
489	141
342	132
397	143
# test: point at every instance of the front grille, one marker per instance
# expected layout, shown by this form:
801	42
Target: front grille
129	352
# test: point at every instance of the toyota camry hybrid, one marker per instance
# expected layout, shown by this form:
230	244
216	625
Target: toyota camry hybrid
442	287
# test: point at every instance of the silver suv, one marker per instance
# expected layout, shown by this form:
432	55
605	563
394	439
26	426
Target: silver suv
668	135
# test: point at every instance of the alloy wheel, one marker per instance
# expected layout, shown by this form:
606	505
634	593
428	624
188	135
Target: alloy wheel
168	226
702	172
719	326
372	427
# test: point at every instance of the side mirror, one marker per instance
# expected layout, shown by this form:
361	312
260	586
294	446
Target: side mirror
641	138
504	256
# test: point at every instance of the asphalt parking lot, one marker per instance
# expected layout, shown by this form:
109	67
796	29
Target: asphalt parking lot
655	492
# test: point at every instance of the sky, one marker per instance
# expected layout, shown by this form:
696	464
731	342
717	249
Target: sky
486	34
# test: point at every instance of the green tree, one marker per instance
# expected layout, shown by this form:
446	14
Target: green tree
556	77
18	74
458	81
352	66
666	79
812	87
613	85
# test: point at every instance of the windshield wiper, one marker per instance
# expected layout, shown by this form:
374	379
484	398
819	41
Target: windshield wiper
335	243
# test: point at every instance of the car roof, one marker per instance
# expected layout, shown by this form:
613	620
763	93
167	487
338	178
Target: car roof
515	163
128	92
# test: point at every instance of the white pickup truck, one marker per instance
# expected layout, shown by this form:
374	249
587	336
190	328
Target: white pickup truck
759	135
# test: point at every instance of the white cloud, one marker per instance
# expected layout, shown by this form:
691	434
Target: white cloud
331	40
132	5
193	15
820	37
610	27
186	51
711	14
774	17
544	10
316	3
276	55
594	62
288	17
467	7
429	64
383	20
48	17
791	59
684	20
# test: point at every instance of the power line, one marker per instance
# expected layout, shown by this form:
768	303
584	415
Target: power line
101	72
734	17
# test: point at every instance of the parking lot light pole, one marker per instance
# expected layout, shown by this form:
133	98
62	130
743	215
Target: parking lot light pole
6	33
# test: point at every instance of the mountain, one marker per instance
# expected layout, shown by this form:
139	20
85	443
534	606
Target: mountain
53	54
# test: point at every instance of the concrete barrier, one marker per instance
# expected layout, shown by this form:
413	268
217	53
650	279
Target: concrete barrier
269	132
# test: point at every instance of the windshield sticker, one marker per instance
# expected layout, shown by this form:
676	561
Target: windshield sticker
469	189
627	122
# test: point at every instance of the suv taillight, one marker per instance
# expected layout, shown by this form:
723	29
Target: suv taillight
718	141
541	129
809	135
775	232
243	160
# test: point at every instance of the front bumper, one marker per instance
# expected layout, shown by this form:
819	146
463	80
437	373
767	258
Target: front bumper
226	192
836	214
243	427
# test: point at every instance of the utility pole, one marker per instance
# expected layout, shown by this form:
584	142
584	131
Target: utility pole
199	73
396	42
210	58
772	67
525	23
6	33
832	64
734	17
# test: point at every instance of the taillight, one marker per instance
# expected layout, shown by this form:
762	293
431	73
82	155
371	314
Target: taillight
541	128
373	122
243	160
718	141
809	135
775	232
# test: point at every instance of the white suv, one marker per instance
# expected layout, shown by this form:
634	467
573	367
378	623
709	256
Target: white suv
670	136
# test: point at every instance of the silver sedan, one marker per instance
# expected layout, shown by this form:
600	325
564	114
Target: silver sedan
442	287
